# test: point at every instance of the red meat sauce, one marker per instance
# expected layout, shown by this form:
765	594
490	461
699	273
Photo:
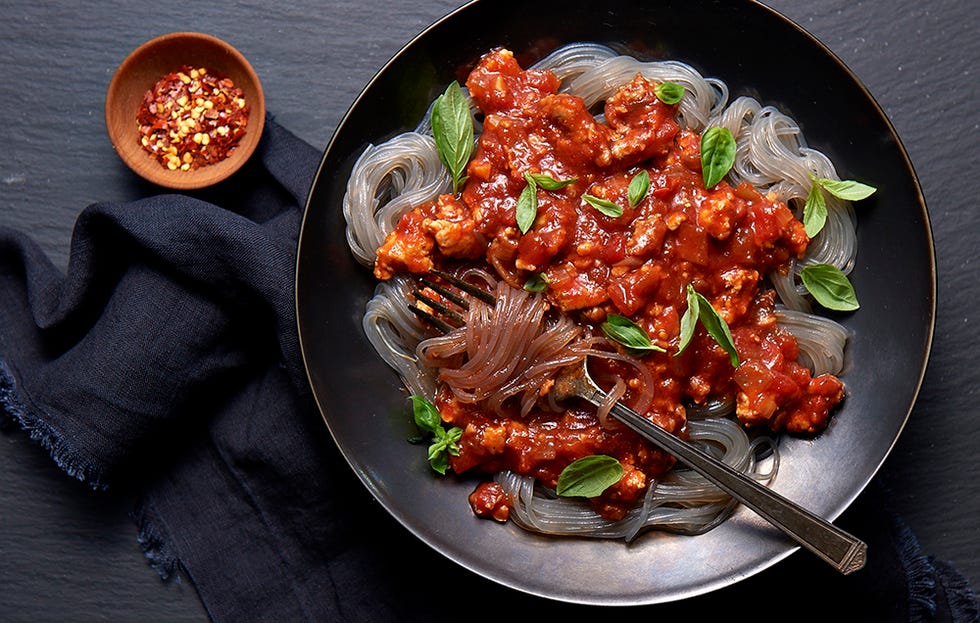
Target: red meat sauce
723	240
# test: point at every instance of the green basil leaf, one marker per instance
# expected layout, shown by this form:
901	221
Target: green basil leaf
452	129
717	154
549	183
639	187
830	287
589	476
700	308
537	282
689	320
438	459
603	205
444	442
527	205
628	333
717	328
443	445
848	190
814	211
425	414
669	92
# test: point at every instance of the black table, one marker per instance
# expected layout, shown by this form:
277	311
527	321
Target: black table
67	553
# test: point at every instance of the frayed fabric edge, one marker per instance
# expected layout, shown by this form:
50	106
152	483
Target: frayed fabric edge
933	584
920	574
14	413
960	597
155	545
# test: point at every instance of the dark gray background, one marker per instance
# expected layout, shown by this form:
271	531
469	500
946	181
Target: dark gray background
69	554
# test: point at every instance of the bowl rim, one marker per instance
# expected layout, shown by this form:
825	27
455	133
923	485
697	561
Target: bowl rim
119	99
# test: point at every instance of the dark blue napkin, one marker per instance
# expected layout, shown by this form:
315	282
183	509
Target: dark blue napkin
166	361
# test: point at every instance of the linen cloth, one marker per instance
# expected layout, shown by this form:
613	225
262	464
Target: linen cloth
166	360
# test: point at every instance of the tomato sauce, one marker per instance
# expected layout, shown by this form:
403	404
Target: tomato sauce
723	240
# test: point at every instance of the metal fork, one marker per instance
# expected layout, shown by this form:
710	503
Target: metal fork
841	550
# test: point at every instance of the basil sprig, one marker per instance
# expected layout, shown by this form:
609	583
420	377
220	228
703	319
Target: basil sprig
717	154
603	205
830	287
669	92
628	333
815	208
452	129
444	442
638	188
589	476
527	202
536	282
700	308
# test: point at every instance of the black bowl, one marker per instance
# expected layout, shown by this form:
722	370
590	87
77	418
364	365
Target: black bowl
756	52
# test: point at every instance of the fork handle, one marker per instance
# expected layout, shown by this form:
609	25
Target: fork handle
843	551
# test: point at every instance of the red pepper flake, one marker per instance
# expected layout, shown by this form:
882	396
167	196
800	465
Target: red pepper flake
192	118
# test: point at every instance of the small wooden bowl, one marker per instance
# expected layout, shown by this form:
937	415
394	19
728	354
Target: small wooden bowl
152	61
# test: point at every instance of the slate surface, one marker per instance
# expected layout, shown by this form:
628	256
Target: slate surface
69	554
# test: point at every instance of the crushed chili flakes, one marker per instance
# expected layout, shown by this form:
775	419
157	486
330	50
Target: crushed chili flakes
192	118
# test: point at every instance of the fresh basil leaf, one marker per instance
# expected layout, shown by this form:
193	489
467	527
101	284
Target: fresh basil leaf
425	414
453	436
717	328
814	211
603	205
537	282
639	187
669	92
444	442
717	154
439	462
848	190
628	333
440	449
527	205
549	183
689	321
700	308
830	287
452	129
589	476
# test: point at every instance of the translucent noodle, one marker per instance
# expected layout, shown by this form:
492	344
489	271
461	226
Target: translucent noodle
821	340
705	98
507	350
387	181
394	333
683	502
511	350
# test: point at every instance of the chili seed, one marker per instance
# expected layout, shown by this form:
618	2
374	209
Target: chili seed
192	118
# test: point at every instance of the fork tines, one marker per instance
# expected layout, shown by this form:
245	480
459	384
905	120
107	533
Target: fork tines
451	315
446	293
441	325
469	288
439	314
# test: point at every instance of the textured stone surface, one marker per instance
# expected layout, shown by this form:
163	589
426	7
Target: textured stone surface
66	554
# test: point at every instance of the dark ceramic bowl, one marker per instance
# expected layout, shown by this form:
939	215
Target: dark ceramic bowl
895	276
